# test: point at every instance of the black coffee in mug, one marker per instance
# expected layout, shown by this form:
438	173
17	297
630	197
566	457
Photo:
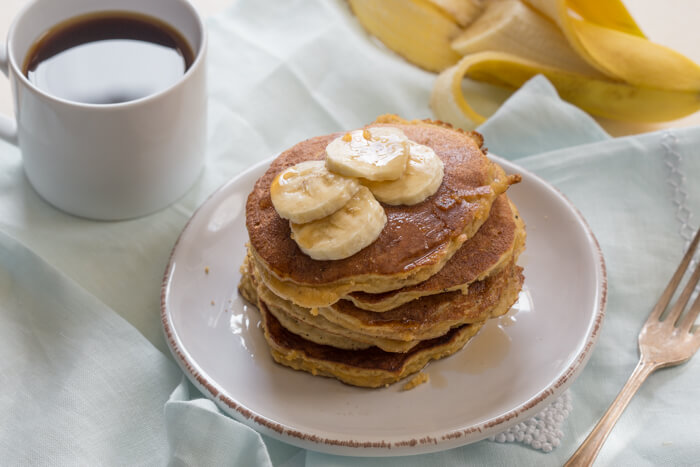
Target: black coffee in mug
108	58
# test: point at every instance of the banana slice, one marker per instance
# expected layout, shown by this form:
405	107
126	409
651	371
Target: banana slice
421	179
343	233
308	191
375	154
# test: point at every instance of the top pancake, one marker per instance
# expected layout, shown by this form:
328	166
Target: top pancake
416	241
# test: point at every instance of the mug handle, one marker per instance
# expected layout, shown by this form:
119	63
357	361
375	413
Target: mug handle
8	125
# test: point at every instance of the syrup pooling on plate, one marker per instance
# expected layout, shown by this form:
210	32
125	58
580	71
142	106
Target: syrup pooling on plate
488	349
244	321
523	305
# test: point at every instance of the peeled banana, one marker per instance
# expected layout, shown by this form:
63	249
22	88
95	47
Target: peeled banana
421	179
343	233
593	51
308	191
511	26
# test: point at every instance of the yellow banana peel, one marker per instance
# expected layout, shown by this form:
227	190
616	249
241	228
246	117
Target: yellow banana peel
463	12
418	30
605	35
636	60
639	80
601	97
607	13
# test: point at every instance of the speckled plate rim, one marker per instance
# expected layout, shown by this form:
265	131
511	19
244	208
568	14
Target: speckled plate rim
372	447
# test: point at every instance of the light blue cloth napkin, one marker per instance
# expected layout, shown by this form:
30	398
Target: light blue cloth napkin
85	374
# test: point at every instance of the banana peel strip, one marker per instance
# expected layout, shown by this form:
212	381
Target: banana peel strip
604	34
642	81
605	98
607	13
636	60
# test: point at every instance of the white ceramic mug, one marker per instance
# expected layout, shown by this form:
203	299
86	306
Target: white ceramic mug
108	161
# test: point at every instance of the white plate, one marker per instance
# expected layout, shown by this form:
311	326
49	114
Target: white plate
508	372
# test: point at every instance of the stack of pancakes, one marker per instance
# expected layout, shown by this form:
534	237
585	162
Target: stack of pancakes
437	272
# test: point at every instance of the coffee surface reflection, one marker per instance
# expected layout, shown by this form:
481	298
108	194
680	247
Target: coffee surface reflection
108	58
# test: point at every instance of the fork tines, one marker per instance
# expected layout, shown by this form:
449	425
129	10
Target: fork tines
676	311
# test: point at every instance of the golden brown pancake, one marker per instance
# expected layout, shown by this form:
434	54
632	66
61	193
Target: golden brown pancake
433	315
318	329
311	327
311	333
416	242
400	329
370	367
490	249
437	272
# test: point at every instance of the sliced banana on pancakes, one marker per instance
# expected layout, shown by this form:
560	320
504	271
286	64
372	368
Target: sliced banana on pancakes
332	215
343	233
377	153
422	178
308	191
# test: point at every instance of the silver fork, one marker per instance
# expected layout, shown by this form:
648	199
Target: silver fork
664	341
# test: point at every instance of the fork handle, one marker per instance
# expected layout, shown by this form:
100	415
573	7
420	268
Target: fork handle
587	452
